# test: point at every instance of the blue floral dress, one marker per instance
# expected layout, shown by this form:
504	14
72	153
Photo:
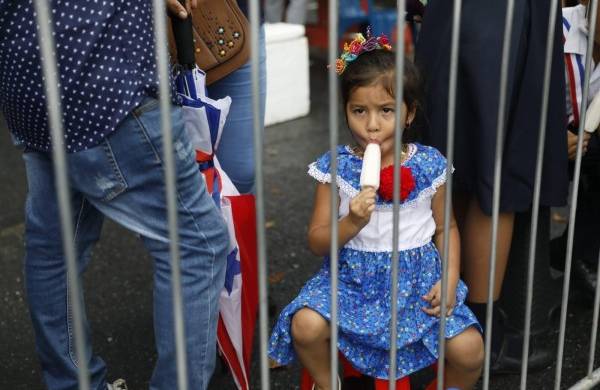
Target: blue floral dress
364	295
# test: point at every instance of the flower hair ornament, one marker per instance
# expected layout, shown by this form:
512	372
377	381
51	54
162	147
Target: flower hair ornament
360	45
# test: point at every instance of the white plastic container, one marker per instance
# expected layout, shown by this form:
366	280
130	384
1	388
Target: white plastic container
288	88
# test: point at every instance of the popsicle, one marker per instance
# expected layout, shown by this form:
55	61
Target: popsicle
371	167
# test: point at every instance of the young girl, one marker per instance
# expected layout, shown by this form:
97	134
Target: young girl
365	237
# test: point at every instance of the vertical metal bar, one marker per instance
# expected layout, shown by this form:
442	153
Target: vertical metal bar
333	140
448	195
53	104
537	189
160	33
263	313
398	130
574	195
594	323
510	4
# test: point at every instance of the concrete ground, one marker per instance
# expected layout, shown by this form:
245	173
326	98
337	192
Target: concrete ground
118	283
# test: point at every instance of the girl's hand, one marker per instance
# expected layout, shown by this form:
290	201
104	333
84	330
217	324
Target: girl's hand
362	206
434	297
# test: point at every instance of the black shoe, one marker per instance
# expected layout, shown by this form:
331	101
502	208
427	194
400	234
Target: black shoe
508	359
501	363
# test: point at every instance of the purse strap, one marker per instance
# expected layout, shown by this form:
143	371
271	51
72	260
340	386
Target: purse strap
184	39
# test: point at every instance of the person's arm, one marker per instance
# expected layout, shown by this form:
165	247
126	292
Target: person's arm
434	296
319	229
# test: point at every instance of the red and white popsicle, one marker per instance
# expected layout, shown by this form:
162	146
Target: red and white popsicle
371	167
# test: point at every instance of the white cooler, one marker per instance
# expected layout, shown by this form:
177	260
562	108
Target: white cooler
288	89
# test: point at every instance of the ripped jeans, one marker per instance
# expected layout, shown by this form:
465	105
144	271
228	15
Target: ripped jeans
123	179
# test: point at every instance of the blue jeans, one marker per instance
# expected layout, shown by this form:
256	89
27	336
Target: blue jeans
123	179
236	148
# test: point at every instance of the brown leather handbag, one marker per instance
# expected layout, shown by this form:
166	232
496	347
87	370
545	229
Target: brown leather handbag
220	35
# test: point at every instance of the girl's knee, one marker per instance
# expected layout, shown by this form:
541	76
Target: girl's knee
466	350
308	326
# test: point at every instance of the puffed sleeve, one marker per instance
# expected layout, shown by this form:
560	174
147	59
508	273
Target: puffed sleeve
321	168
432	170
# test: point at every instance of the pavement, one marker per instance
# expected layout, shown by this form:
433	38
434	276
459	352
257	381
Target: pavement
118	282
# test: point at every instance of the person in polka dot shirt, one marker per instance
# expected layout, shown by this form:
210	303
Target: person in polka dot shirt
106	69
108	83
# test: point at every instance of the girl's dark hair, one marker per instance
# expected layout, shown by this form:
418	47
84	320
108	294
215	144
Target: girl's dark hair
379	66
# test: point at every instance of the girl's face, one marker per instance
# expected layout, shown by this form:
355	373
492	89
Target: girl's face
371	118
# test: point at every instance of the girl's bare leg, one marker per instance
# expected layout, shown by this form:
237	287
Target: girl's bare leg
464	359
310	332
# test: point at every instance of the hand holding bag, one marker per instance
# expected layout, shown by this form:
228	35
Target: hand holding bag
220	33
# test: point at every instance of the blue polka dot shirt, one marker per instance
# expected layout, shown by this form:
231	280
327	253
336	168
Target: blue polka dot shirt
106	65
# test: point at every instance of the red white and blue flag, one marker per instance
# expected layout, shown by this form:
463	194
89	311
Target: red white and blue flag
204	119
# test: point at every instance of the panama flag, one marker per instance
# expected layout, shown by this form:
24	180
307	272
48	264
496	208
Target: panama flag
204	119
239	298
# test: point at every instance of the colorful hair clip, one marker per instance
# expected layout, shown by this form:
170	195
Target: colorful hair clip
360	45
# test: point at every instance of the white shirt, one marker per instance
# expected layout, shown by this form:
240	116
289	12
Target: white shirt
576	40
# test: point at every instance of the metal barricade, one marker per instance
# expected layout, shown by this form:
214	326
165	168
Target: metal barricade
44	21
